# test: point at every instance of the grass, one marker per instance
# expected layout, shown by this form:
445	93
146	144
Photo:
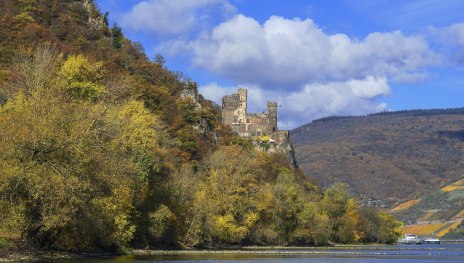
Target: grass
426	216
405	205
448	228
456	194
456	186
459	215
423	230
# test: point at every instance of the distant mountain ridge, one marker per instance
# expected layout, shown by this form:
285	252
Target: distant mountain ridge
414	112
390	156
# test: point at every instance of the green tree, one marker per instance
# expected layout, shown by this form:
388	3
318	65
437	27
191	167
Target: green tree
117	36
343	213
160	60
314	226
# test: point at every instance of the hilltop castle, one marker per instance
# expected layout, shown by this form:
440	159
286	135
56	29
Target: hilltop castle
234	114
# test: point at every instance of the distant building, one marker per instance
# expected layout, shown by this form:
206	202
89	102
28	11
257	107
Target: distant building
234	114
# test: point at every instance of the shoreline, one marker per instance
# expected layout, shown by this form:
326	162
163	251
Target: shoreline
248	250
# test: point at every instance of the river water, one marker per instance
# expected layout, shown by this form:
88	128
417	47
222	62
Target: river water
397	253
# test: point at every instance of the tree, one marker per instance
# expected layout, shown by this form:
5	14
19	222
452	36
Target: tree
105	18
160	60
117	36
72	173
231	196
82	78
35	74
343	213
313	227
390	229
379	226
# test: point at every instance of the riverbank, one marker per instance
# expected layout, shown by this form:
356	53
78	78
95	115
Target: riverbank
48	256
251	250
352	253
31	257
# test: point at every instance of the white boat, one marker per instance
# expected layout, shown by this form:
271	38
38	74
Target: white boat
410	239
432	240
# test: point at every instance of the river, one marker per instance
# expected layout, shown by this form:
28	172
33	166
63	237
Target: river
397	253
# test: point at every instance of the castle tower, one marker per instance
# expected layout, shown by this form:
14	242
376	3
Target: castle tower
234	109
242	107
272	111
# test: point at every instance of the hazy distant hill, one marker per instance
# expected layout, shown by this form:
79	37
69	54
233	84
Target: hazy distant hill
388	156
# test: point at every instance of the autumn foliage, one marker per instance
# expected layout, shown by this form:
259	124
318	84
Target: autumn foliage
104	149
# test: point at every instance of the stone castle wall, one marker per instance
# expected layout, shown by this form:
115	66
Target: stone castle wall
256	125
247	124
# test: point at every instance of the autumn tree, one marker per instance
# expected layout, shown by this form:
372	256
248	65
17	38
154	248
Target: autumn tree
230	197
74	172
342	210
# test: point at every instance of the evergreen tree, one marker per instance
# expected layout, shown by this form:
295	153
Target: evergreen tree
117	36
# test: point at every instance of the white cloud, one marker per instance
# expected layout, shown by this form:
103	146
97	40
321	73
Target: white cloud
352	97
311	73
257	97
173	17
312	101
215	92
284	53
451	41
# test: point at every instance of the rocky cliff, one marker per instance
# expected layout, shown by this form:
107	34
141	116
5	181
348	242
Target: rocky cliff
277	142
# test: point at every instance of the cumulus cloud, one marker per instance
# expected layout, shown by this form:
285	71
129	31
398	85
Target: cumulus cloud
173	17
287	53
311	73
312	101
215	92
451	41
353	97
257	97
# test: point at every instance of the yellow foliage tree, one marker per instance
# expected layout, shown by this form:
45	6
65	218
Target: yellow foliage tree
82	77
73	172
231	195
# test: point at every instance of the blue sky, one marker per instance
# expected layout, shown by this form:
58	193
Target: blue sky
316	58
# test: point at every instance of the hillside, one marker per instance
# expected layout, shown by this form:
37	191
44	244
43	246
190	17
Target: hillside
439	213
104	149
389	156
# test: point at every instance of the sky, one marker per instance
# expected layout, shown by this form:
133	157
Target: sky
316	58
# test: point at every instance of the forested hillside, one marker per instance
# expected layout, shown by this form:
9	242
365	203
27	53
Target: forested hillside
104	149
389	156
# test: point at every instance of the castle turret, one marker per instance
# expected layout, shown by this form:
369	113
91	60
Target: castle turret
242	107
234	109
272	111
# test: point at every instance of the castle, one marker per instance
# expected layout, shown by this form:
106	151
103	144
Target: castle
234	114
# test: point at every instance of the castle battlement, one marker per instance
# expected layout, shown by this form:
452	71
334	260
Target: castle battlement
261	114
234	114
231	97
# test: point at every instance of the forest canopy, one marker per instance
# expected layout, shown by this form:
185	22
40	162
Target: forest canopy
104	149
